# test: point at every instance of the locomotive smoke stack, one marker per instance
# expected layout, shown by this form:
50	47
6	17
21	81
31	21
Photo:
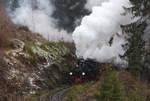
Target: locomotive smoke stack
99	36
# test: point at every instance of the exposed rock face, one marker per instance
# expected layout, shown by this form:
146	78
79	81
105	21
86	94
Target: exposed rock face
17	43
51	59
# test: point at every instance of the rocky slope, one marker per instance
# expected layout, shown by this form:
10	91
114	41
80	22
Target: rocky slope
28	63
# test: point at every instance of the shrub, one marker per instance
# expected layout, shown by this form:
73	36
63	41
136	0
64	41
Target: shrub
112	89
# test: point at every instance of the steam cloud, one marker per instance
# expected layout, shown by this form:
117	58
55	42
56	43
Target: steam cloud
99	36
36	15
91	3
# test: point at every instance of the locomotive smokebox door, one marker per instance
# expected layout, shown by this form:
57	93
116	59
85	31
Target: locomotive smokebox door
85	70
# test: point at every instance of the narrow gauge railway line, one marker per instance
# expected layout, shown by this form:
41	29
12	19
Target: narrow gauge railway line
59	95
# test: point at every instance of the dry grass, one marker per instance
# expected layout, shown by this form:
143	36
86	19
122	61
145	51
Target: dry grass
131	84
9	31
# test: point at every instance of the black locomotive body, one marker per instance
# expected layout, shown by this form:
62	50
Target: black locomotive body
86	70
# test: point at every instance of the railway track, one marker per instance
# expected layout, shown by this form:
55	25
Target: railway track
59	95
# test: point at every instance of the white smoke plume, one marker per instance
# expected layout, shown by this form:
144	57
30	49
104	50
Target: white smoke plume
99	36
36	15
91	3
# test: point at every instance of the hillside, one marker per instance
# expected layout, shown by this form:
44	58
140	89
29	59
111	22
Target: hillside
26	59
134	89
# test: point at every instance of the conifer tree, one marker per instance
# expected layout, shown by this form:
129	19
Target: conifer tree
67	12
135	47
112	88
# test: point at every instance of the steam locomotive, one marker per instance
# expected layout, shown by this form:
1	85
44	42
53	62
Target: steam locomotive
85	70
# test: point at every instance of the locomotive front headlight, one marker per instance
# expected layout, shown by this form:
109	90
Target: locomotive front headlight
77	65
83	73
70	73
